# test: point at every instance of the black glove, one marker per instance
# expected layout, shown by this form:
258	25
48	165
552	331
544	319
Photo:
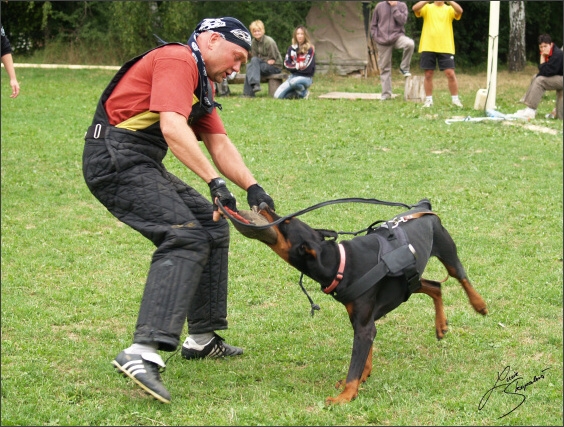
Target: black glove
256	195
218	190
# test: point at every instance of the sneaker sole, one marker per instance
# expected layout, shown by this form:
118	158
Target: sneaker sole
190	354
125	373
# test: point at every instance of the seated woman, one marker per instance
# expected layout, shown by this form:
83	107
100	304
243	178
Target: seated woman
300	61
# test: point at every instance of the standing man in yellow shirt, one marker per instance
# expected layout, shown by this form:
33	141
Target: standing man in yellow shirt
437	44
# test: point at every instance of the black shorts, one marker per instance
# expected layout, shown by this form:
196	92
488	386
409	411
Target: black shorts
428	61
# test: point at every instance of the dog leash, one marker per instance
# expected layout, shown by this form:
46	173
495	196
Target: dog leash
233	216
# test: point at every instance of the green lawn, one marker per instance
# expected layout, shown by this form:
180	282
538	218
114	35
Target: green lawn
72	275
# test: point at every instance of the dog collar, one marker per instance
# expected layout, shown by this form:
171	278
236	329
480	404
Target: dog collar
340	272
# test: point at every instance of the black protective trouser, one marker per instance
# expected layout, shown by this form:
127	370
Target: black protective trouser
188	273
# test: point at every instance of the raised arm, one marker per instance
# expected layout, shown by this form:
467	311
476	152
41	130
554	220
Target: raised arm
419	5
457	8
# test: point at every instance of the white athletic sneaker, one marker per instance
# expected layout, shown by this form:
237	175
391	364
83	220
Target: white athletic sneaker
143	369
215	348
457	103
428	104
526	114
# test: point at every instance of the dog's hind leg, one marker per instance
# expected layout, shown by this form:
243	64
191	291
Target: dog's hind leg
444	249
474	297
433	289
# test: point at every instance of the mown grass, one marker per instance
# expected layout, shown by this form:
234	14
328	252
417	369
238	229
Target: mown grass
72	275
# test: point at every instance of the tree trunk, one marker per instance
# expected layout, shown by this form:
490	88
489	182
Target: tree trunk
516	57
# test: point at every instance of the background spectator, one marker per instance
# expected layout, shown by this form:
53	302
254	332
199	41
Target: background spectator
549	77
265	59
388	32
300	61
437	44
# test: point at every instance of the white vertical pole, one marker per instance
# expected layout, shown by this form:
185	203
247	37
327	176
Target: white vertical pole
492	55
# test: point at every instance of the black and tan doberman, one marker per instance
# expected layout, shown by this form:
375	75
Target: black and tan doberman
340	268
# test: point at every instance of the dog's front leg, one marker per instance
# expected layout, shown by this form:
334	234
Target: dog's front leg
361	361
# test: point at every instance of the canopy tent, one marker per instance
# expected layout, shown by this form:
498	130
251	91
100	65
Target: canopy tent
339	36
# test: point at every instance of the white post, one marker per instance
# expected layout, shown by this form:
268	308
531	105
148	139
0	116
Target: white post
492	55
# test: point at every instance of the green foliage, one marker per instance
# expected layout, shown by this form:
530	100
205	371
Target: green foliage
175	20
132	24
108	33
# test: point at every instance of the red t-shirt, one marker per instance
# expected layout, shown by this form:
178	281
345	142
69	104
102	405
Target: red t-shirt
163	80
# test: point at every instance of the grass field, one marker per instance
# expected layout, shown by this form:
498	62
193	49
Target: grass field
72	275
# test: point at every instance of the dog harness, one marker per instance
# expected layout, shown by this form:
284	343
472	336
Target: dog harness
396	257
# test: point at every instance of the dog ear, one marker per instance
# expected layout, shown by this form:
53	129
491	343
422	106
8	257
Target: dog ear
329	235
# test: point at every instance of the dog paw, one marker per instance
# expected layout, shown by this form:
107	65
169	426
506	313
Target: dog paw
441	329
340	399
331	401
335	401
440	333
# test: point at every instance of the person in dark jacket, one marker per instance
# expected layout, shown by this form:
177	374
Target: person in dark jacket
8	61
549	77
388	32
161	100
265	59
300	61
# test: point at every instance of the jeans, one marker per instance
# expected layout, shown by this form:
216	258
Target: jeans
295	87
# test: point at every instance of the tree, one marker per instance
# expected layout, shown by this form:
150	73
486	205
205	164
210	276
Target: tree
111	32
516	58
